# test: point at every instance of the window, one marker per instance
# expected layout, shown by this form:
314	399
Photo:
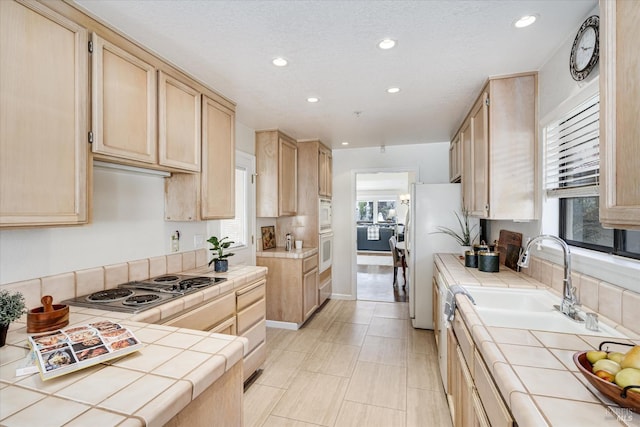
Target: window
238	228
364	211
572	167
373	211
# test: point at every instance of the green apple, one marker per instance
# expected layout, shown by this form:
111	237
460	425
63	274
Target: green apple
615	356
606	365
594	355
628	376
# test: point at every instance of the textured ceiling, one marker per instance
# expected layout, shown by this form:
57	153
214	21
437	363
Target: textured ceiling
445	51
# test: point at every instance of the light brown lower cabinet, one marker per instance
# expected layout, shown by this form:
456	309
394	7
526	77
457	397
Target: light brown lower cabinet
292	288
473	396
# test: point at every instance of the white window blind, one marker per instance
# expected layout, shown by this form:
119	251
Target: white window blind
572	152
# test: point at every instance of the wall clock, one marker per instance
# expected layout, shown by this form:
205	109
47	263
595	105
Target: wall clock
586	49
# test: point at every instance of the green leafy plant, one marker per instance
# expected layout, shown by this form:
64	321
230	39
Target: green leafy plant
11	307
464	237
218	248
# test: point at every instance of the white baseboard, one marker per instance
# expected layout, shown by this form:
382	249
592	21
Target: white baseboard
283	325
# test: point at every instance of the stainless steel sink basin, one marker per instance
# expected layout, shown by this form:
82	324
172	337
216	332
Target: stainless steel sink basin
529	309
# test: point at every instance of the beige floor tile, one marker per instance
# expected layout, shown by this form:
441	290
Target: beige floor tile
274	421
332	359
378	385
280	368
388	351
354	314
395	310
423	372
280	339
305	340
355	414
391	328
259	400
422	341
313	398
345	333
427	408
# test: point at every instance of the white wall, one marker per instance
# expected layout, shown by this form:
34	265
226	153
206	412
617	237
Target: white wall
127	224
429	161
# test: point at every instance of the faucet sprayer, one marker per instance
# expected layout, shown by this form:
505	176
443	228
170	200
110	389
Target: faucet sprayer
569	300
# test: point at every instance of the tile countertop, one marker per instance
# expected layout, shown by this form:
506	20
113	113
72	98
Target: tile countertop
534	370
280	252
145	388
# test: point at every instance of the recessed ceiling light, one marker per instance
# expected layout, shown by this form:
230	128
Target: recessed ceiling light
279	62
312	99
345	143
393	90
525	21
386	44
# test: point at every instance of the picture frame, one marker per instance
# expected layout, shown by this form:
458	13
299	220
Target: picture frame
268	237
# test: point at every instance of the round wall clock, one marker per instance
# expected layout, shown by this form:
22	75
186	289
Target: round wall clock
586	49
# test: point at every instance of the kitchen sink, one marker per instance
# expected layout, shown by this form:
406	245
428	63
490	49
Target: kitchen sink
529	309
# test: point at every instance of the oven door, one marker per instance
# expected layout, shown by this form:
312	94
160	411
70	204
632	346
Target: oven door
325	251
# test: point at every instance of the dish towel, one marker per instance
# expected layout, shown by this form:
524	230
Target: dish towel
450	304
373	232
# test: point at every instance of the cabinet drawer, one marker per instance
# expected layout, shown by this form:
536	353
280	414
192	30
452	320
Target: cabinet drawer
464	340
207	316
254	360
251	315
251	294
324	290
256	335
227	327
494	406
309	263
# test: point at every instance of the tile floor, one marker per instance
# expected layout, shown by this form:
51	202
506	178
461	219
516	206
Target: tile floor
355	363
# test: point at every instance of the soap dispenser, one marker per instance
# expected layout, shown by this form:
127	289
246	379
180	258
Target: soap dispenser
288	243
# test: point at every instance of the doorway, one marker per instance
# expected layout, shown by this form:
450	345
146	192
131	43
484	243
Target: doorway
379	216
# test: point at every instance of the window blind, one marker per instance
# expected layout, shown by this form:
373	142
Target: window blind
572	152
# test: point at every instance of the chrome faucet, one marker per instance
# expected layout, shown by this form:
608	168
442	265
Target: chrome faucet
569	300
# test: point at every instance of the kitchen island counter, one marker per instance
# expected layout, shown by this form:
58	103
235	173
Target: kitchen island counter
177	373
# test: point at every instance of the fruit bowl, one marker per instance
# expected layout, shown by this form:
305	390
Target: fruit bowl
629	399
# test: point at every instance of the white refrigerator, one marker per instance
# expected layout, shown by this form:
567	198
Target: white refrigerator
430	206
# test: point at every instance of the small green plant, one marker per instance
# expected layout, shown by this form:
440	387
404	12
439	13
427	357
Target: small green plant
464	237
218	247
11	307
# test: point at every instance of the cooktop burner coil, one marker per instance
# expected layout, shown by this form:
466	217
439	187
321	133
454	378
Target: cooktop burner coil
195	282
141	299
167	278
110	295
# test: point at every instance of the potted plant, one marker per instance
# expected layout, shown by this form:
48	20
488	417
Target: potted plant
464	237
11	308
220	261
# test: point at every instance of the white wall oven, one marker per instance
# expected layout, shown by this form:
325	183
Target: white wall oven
325	251
324	216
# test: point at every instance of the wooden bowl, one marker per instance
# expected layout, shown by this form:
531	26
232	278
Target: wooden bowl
630	400
49	317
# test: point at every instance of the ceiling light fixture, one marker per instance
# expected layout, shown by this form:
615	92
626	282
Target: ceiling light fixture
525	21
393	90
345	143
312	99
279	62
386	44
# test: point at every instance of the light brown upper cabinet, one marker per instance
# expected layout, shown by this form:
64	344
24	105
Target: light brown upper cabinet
211	194
179	133
455	158
498	150
43	99
325	171
277	168
124	103
619	112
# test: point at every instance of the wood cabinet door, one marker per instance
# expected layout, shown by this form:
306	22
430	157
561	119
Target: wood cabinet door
480	157
466	175
287	176
218	161
619	112
179	131
43	104
124	104
310	292
324	172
